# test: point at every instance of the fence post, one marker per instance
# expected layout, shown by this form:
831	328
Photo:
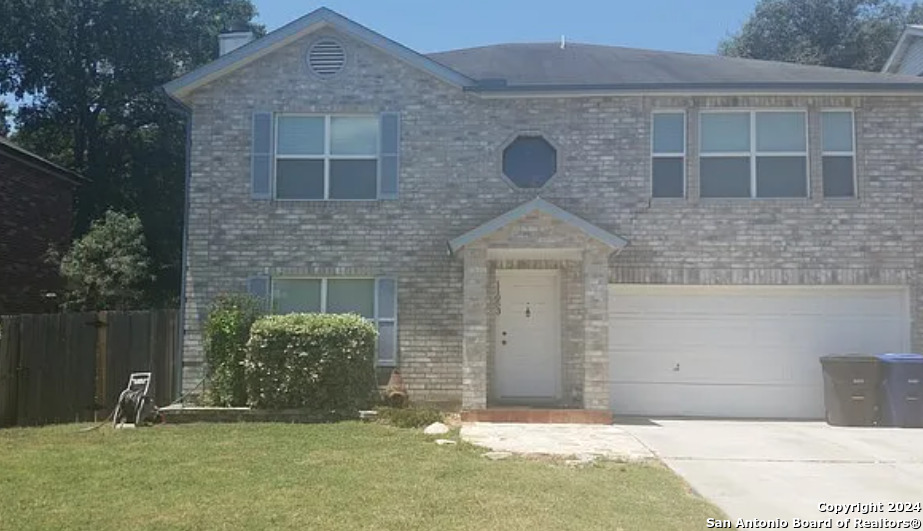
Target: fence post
9	370
102	359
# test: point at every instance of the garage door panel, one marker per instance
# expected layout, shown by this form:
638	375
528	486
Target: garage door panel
742	401
747	351
698	367
667	332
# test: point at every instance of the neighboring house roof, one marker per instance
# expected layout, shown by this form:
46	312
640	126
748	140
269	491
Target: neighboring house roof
11	150
309	23
537	205
912	34
548	66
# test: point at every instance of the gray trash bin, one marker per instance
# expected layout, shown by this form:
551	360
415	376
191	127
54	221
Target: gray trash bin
851	385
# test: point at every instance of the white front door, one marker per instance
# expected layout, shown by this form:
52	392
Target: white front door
527	360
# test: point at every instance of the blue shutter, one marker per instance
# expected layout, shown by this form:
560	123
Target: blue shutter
261	156
258	286
389	155
386	315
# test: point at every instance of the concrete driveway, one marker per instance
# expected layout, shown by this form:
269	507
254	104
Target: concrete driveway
784	470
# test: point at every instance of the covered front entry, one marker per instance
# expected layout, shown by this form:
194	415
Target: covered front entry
536	310
527	348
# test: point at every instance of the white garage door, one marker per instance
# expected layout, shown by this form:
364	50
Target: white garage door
741	351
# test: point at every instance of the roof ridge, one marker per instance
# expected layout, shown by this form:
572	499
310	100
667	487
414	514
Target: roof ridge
714	56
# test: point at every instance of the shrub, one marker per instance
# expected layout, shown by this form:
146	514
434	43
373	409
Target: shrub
108	267
409	417
227	330
323	362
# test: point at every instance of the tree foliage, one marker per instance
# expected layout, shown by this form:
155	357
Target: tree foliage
858	34
4	116
87	74
108	267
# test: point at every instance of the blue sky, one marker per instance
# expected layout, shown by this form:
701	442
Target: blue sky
433	25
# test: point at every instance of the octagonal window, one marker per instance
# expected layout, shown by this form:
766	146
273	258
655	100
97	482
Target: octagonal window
529	161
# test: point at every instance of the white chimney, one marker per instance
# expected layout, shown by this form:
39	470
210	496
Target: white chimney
228	42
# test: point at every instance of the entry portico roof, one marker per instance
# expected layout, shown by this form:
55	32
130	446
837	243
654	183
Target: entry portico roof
538	205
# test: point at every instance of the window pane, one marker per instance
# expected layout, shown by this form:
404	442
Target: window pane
529	161
387	343
781	177
295	295
838	177
354	135
301	135
669	135
386	298
780	131
668	177
351	296
299	179
725	132
837	131
725	177
353	179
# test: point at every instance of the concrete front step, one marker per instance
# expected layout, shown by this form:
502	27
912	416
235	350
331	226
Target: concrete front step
538	416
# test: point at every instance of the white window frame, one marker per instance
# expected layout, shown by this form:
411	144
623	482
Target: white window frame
754	153
655	155
326	156
323	307
824	153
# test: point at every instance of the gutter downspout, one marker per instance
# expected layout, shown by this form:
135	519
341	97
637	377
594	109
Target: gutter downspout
184	112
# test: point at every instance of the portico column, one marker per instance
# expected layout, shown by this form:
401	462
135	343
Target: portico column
474	368
596	329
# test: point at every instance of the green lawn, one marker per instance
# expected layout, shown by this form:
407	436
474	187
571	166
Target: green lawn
335	476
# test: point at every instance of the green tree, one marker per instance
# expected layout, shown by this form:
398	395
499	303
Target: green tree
108	267
86	73
4	114
858	34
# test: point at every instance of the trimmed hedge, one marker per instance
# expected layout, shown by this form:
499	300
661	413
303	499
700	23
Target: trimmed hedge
322	362
227	330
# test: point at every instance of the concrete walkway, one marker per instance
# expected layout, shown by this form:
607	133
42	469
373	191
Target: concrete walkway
579	440
785	470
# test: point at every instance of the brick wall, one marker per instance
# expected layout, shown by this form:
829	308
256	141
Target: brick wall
35	212
451	183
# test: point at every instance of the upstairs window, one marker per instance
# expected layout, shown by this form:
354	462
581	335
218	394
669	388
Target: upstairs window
529	161
753	154
326	157
839	153
668	154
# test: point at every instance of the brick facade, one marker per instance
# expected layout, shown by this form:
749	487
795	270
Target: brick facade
36	211
451	183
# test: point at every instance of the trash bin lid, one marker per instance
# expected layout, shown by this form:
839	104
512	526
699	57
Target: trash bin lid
901	358
849	358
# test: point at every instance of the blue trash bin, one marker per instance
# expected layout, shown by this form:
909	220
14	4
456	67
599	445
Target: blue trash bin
901	390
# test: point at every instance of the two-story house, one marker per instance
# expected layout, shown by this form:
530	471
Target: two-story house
36	215
561	225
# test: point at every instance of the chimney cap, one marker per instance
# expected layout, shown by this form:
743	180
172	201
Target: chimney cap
232	40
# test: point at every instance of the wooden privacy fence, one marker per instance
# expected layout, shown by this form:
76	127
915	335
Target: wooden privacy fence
72	366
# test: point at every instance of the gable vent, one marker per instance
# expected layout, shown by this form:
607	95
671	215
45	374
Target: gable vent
326	58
